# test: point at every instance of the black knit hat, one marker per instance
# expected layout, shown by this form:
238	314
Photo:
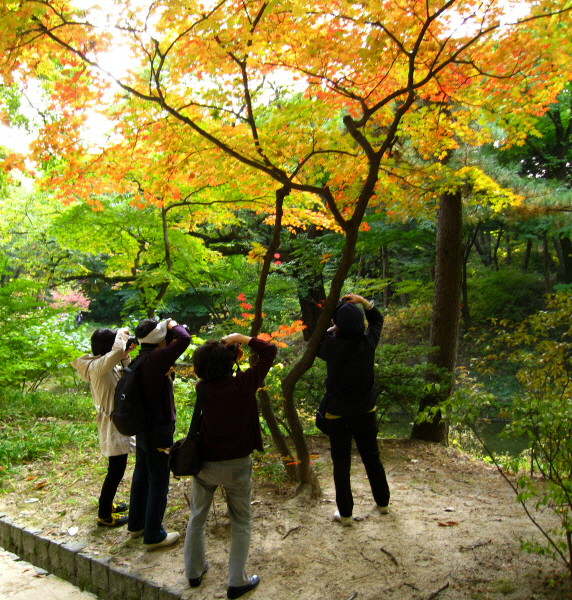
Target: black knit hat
349	320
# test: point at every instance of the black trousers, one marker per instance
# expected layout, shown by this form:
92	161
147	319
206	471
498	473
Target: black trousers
115	471
363	429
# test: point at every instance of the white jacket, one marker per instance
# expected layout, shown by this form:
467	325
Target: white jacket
103	373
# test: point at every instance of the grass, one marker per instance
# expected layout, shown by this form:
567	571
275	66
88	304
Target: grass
42	425
59	430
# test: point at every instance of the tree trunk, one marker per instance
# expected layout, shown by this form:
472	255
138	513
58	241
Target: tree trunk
265	405
445	320
482	248
310	302
310	285
278	437
508	250
496	249
527	253
488	250
566	258
546	263
467	321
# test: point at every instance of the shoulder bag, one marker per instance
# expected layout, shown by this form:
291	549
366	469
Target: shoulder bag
321	421
184	454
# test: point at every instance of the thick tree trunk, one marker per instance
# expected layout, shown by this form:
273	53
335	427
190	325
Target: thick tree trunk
445	321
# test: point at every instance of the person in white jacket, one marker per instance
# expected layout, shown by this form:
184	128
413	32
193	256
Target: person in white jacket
102	370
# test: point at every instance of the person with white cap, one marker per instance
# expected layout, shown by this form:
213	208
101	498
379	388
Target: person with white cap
349	352
161	345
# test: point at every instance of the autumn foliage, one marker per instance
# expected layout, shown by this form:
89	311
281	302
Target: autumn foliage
344	106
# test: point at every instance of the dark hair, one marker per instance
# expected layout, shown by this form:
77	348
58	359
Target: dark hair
349	320
102	341
145	328
213	360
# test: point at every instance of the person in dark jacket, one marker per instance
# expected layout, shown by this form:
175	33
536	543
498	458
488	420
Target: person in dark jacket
229	432
349	351
161	345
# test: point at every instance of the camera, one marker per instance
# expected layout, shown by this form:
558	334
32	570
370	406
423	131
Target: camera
130	341
170	335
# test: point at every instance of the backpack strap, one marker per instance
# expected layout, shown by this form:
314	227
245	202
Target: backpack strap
197	412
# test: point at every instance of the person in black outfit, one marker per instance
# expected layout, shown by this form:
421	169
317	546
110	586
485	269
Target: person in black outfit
349	352
161	345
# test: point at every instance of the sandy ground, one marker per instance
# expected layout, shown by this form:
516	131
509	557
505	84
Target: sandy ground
453	532
20	580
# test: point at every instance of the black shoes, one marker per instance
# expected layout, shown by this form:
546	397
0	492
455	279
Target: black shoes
115	520
236	591
118	508
197	581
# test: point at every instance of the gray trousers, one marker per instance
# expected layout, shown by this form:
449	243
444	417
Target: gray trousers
235	476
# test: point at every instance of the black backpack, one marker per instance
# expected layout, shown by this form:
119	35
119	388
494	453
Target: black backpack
129	415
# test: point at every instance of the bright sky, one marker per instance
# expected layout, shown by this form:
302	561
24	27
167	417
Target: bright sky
117	63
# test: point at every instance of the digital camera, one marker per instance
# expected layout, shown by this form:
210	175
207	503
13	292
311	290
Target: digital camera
235	348
130	341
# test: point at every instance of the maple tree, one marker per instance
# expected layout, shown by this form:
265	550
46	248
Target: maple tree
351	82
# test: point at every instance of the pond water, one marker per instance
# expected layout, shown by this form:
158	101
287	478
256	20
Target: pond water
399	426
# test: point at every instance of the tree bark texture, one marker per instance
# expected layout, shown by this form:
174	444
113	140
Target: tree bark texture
445	320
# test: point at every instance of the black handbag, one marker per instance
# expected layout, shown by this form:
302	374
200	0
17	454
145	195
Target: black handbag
321	421
184	454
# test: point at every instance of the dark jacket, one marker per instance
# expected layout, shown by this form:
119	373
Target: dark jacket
350	368
156	378
230	427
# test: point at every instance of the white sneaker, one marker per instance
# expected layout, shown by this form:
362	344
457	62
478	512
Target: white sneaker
384	510
345	521
170	539
136	534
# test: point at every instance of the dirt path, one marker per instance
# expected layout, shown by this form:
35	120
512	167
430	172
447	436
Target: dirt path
452	533
20	580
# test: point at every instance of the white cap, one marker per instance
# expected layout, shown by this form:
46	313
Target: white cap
157	335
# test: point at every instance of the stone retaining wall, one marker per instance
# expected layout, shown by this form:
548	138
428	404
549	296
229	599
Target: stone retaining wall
86	571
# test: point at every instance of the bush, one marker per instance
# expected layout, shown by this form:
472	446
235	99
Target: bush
541	349
506	294
38	340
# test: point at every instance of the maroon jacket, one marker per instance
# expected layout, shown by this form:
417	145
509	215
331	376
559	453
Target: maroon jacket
230	427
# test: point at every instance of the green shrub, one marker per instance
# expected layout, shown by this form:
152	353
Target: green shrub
506	294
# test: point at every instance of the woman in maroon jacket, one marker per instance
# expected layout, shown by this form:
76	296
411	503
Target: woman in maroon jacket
230	431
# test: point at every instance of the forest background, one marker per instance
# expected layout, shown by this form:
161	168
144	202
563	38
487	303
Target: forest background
241	165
